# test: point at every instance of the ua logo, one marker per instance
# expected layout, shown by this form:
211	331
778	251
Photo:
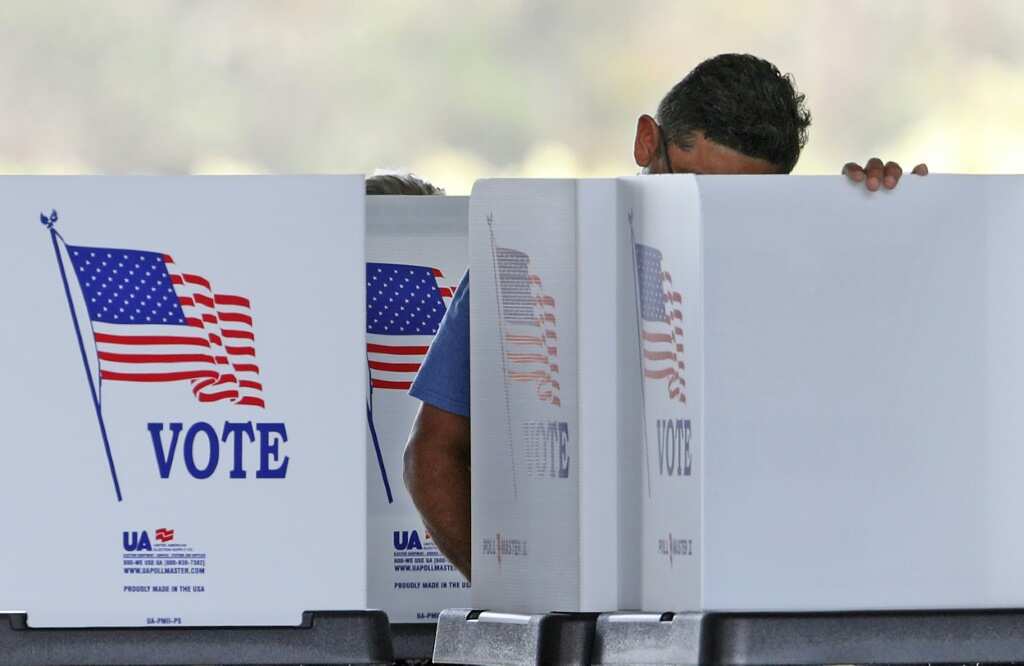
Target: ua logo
407	540
136	541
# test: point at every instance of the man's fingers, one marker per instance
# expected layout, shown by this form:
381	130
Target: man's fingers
892	174
875	171
854	172
876	175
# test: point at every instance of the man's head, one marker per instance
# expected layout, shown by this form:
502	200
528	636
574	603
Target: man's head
400	183
732	114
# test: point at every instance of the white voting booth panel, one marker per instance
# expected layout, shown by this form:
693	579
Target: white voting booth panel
861	385
415	256
182	389
827	381
546	518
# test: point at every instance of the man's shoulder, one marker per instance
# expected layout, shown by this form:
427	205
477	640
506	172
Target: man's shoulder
443	379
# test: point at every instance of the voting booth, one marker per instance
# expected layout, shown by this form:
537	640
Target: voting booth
855	369
415	257
549	531
747	412
727	394
183	391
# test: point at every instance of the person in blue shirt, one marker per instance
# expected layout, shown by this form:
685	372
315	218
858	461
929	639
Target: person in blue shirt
733	114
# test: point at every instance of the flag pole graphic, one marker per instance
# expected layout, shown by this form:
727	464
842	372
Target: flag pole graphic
49	222
504	360
640	348
376	442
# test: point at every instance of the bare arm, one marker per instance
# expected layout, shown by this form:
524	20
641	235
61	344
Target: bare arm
437	476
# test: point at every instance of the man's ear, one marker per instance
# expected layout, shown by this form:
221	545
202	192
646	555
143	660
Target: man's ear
645	146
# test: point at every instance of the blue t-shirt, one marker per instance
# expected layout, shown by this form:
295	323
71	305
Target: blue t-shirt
443	379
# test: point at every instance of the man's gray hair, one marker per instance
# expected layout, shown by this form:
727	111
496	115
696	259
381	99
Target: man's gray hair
400	183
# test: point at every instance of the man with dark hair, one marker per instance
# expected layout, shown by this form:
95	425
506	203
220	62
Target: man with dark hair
733	114
738	114
738	102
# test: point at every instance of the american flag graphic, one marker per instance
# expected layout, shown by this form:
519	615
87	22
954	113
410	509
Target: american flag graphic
661	314
154	323
404	307
530	328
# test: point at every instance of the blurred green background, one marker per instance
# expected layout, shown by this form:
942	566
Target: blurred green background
461	90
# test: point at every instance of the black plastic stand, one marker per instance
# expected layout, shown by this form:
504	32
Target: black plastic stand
466	636
413	641
324	638
810	638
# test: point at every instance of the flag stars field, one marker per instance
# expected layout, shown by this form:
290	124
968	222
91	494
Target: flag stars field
407	301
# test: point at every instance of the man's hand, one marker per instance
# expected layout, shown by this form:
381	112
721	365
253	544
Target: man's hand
874	174
437	476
